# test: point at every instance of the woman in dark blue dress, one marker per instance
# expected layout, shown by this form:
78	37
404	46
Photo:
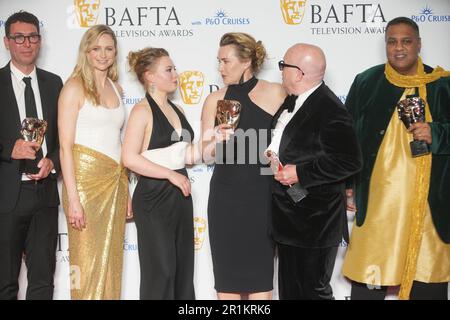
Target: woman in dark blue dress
240	197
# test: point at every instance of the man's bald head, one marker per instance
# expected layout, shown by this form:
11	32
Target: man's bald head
311	60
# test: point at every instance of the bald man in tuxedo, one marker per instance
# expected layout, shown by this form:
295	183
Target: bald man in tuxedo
315	140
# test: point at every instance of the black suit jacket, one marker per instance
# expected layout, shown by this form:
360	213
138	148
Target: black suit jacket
10	178
321	142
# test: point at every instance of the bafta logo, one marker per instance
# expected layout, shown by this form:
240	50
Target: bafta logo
75	277
373	277
293	11
199	232
87	12
191	86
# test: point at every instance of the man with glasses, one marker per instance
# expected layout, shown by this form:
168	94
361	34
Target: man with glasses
282	65
28	200
315	140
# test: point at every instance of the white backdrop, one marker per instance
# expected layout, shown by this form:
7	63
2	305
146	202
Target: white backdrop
350	32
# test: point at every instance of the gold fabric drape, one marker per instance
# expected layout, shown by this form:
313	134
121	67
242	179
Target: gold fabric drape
96	253
397	242
423	170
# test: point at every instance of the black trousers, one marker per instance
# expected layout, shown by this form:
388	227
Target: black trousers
305	273
419	291
29	231
165	231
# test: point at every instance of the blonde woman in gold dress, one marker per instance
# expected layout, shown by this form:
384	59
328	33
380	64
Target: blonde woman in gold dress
95	192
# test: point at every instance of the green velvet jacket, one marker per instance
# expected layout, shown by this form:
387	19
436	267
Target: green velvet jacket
371	102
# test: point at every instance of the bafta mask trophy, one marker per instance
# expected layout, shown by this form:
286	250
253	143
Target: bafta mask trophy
33	129
275	163
412	110
229	112
296	192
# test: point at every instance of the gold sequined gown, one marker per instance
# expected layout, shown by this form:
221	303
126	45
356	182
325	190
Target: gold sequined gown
96	253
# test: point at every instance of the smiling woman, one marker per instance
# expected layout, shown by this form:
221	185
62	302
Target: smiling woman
95	184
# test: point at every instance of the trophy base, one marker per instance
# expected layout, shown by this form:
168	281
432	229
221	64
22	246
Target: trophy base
29	166
419	148
297	193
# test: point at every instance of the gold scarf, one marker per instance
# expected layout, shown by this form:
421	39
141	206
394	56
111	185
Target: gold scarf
423	171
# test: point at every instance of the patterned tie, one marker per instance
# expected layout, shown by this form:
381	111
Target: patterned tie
30	103
289	103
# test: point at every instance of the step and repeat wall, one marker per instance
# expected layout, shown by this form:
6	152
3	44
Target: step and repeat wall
351	33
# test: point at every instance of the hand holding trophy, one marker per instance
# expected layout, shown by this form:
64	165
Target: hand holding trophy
228	112
33	129
412	110
275	163
295	192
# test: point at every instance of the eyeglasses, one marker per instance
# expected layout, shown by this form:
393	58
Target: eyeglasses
282	65
20	38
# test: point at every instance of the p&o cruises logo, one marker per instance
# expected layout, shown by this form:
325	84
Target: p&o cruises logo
222	18
129	245
427	15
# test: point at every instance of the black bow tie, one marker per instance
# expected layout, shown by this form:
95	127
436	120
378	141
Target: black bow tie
289	103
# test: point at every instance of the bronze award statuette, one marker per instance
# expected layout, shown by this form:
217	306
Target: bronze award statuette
295	192
33	129
275	163
229	112
412	110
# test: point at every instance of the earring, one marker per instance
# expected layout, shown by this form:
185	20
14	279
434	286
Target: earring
152	88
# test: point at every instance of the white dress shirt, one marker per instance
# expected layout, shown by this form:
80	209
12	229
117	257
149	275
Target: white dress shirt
19	92
285	118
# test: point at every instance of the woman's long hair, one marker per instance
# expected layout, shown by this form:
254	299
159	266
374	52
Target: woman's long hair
83	69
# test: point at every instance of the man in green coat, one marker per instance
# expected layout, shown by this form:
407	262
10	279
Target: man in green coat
402	232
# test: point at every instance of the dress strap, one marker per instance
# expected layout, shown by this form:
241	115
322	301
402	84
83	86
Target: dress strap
184	124
245	87
115	90
153	105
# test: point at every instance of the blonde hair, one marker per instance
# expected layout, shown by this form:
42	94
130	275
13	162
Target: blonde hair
247	48
143	60
83	69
